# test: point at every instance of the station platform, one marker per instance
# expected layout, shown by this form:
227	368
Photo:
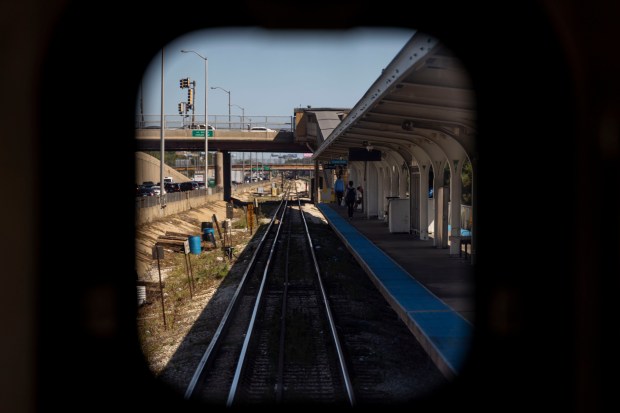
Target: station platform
430	290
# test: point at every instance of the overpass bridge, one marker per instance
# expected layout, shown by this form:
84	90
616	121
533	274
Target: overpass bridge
184	139
179	136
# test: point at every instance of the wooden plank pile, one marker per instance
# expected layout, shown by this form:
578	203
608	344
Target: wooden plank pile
173	241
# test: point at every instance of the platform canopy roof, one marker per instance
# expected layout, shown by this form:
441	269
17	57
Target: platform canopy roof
422	107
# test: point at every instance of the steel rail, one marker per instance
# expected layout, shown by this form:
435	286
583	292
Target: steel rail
280	380
343	368
257	303
208	354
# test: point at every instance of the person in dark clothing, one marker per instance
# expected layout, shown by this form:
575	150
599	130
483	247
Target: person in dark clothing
349	199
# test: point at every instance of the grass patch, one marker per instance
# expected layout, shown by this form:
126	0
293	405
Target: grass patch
208	269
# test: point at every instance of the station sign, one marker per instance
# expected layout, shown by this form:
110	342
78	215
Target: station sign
333	163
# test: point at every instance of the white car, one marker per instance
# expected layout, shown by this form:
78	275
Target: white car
261	129
202	126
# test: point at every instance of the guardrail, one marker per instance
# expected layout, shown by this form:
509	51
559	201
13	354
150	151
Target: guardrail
150	201
234	122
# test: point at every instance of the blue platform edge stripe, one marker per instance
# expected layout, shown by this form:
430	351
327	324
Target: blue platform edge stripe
445	329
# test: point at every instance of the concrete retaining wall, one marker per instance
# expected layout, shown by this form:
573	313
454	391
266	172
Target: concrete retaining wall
150	214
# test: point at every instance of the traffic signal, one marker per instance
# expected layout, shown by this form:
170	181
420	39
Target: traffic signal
190	96
181	108
184	83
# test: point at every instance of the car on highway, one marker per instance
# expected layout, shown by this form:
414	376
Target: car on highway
172	187
261	129
146	191
202	126
189	186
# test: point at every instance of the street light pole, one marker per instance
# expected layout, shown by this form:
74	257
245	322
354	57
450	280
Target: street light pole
227	91
162	187
206	117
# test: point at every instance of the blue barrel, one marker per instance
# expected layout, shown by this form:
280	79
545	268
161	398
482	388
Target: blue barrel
194	245
207	234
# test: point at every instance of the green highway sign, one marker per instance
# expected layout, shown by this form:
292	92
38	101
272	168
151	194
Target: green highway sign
199	133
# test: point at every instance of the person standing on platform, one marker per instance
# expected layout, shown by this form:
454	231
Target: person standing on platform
339	189
359	202
349	199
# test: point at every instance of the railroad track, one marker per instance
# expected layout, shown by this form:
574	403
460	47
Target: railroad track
277	342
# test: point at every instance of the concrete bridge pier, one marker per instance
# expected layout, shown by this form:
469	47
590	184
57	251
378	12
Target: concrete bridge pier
226	165
219	170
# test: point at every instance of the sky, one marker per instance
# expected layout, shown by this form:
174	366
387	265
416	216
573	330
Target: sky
270	73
